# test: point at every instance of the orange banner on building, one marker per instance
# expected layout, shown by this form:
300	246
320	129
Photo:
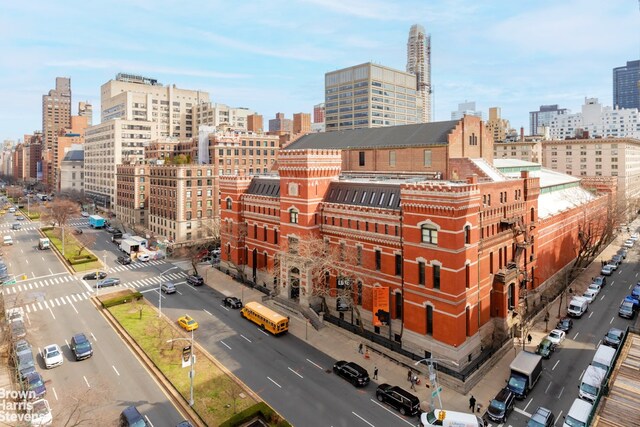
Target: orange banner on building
380	302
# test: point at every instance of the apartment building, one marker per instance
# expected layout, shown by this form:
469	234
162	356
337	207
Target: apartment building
243	153
543	117
73	135
280	124
419	64
593	158
255	123
301	123
138	98
528	150
222	116
182	202
318	113
133	189
109	144
626	85
467	108
498	127
56	115
72	169
597	121
368	96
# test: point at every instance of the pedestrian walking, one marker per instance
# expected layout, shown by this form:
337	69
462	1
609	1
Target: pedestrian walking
413	383
409	375
375	372
472	403
360	348
529	338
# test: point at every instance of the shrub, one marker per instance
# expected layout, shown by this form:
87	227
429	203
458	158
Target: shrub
259	409
81	259
121	300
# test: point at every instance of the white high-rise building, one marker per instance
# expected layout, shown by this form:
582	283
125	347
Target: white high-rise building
598	121
419	63
467	108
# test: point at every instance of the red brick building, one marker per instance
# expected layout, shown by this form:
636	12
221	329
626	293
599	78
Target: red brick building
452	241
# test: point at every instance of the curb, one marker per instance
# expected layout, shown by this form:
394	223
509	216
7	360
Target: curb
176	398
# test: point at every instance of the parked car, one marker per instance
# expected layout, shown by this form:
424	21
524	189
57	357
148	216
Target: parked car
627	309
595	287
545	348
84	214
607	270
96	275
599	280
628	243
17	329
565	324
501	406
232	302
111	281
195	280
168	288
52	356
25	364
81	347
187	323
40	413
589	295
21	346
623	252
34	384
617	259
613	265
352	372
131	417
399	399
541	418
110	229
124	260
556	336
633	300
14	314
634	237
144	257
613	337
77	231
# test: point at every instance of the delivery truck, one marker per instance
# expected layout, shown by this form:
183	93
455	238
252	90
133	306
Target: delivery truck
44	243
526	369
128	246
96	221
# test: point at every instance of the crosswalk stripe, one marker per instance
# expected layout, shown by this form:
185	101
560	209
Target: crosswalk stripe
45	304
28	310
33	307
69	299
63	301
39	305
73	297
30	286
55	279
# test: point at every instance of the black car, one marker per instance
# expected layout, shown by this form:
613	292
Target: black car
352	372
116	235
95	276
195	280
399	399
81	347
541	418
501	406
613	337
565	324
622	252
232	302
77	231
34	383
124	260
131	417
600	280
617	259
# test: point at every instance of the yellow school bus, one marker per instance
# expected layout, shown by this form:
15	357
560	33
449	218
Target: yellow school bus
266	318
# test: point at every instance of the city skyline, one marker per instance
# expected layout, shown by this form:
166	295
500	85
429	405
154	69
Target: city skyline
252	57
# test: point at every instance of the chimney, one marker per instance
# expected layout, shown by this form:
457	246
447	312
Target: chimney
522	133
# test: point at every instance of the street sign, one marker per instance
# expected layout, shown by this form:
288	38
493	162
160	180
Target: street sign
436	392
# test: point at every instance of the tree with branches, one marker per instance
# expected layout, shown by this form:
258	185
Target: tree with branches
85	407
60	211
211	229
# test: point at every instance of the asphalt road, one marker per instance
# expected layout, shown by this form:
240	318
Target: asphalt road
562	372
57	306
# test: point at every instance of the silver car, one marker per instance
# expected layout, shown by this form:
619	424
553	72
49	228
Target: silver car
168	288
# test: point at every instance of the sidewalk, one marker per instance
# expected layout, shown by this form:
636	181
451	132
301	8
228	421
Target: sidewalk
342	345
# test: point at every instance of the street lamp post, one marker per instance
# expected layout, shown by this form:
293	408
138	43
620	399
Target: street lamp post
191	373
160	290
433	376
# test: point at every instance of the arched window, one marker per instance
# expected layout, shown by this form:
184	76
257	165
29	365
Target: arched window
533	214
293	216
429	234
467	234
229	203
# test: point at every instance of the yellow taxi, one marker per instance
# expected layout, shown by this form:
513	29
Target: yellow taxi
187	323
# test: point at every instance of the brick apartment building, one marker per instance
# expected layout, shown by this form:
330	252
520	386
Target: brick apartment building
454	243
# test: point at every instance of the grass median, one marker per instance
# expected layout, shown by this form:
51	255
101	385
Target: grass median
71	248
217	396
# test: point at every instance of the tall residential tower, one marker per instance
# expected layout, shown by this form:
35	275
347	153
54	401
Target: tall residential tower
56	116
419	63
626	85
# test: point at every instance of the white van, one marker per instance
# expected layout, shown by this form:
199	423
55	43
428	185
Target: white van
440	417
578	306
592	381
7	240
578	414
603	358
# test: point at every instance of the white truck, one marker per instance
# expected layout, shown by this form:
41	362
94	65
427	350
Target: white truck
44	243
128	246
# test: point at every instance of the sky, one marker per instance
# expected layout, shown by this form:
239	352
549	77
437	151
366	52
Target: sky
271	56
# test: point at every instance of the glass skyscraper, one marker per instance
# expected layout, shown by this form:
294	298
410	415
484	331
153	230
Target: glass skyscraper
626	85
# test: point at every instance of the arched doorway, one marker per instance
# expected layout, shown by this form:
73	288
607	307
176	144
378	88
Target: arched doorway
294	283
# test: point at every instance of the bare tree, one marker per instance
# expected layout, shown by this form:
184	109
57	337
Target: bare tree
238	240
211	229
233	391
85	241
86	407
59	212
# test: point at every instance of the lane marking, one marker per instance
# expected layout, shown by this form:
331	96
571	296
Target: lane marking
599	342
51	311
314	364
612	282
263	332
273	381
611	320
86	381
391	412
576	335
520	411
207	312
94	337
224	344
531	400
602	298
54	393
361	418
590	314
295	372
560	394
224	307
580	377
149	421
245	338
74	307
114	368
559	416
554	366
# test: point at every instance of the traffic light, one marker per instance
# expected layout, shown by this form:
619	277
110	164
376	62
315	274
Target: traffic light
383	316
